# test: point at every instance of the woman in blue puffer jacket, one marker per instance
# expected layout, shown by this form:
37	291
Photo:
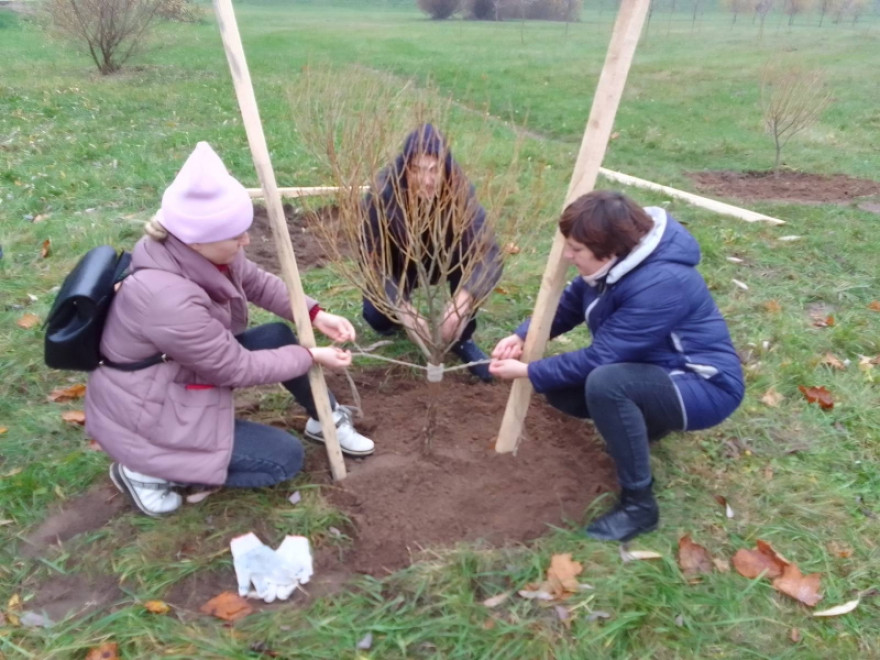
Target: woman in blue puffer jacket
661	358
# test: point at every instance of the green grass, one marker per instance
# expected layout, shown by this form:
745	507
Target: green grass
88	157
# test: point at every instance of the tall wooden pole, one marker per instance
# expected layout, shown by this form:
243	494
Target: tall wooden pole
624	38
250	115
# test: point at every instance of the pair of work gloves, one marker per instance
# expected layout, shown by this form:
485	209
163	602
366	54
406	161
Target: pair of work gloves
270	574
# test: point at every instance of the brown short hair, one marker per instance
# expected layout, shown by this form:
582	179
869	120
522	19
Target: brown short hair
609	223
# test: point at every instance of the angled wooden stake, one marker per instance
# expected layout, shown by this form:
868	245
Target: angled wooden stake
250	115
624	38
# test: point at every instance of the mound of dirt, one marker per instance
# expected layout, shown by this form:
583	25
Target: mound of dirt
800	187
436	479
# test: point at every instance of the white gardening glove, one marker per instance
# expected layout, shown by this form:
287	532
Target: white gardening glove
295	553
257	564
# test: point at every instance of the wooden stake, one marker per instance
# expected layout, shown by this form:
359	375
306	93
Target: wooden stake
624	38
695	200
247	102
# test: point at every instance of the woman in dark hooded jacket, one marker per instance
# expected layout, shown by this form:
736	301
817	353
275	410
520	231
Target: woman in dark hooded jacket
661	358
423	224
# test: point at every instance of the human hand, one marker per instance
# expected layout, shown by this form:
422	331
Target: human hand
509	348
338	328
259	566
413	322
331	357
508	369
456	316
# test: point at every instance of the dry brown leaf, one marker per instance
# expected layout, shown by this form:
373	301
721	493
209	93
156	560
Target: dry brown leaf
157	607
874	305
536	592
228	606
3	430
71	393
46	249
693	559
728	510
74	417
105	651
500	290
826	322
841	550
833	361
722	565
28	321
628	555
846	608
772	398
563	574
764	559
803	588
511	248
773	306
496	600
795	635
818	395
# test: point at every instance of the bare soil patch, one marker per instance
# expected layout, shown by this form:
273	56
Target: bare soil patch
436	480
800	187
310	251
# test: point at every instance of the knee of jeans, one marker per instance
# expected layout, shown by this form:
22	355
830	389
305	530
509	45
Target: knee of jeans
603	383
291	461
279	334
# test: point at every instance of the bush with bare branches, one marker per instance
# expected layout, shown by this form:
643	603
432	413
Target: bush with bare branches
414	271
439	9
792	99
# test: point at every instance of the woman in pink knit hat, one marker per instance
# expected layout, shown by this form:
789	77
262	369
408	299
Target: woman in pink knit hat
172	424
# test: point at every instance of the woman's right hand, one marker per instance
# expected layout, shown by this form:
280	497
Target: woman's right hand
331	357
509	348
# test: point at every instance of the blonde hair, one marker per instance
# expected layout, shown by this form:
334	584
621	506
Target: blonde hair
155	230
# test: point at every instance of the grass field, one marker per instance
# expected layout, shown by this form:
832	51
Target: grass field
84	160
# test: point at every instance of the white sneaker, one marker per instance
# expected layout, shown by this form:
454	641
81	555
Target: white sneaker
350	441
150	495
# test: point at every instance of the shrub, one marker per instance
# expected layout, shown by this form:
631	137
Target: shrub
481	10
547	10
439	9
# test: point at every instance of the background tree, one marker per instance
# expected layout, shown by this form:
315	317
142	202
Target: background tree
439	9
792	99
113	30
794	7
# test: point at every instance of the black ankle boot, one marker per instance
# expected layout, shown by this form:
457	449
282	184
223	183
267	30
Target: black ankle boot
635	514
468	351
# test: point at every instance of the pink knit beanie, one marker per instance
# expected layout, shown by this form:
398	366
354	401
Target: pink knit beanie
205	203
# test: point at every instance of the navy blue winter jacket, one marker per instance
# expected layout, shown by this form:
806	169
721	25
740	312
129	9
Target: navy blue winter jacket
653	307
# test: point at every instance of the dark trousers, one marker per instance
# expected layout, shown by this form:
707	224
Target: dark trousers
631	405
264	455
385	325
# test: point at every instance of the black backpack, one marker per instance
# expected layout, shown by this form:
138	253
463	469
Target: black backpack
76	320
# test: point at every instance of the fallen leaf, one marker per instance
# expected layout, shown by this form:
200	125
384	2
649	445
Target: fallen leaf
511	248
496	600
722	565
773	306
105	651
679	620
3	430
296	498
500	290
789	238
803	588
563	573
637	555
846	608
28	321
840	549
826	322
764	559
563	614
874	305
71	393
46	249
94	446
614	135
795	635
772	398
818	395
157	607
40	217
735	260
365	642
832	361
741	285
534	592
693	558
74	417
228	606
728	510
34	620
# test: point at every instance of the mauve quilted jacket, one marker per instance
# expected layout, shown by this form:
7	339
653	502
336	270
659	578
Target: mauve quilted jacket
175	420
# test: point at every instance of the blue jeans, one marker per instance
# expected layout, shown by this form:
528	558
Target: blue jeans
631	405
264	455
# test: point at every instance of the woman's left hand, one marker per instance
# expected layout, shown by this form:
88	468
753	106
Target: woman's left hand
508	369
456	316
337	328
